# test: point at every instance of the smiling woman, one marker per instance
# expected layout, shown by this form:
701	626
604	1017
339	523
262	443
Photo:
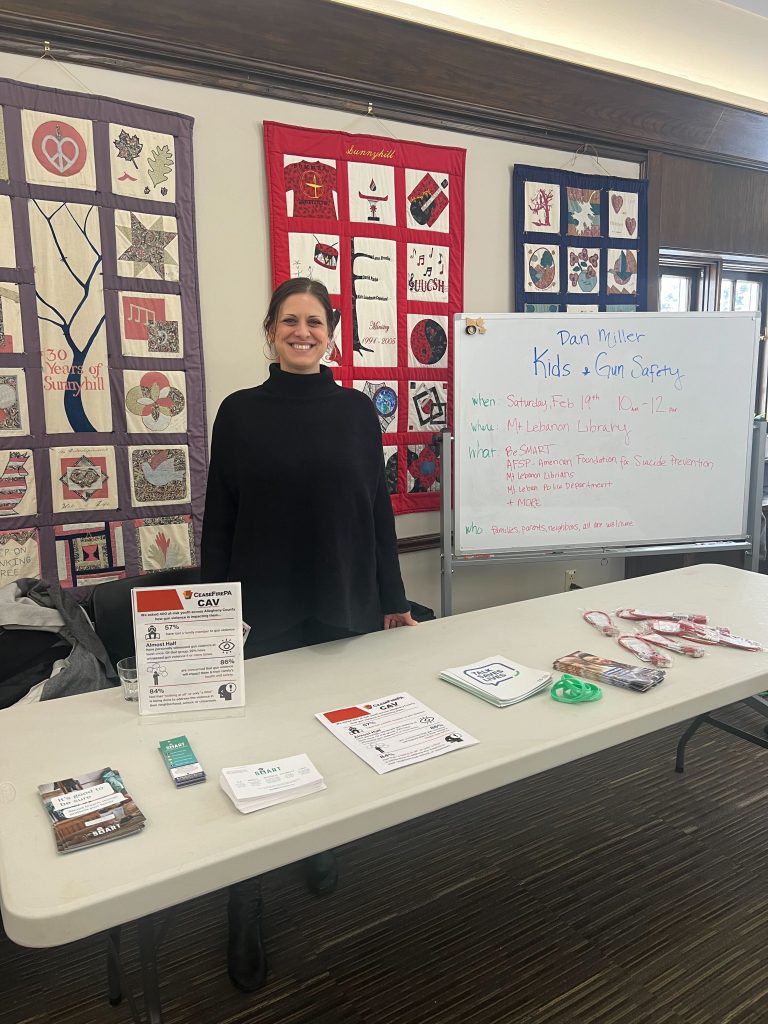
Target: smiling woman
297	510
299	325
297	507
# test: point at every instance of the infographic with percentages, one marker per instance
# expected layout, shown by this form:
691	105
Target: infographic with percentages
189	647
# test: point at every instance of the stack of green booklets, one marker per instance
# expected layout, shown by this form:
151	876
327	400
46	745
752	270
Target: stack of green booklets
181	762
498	680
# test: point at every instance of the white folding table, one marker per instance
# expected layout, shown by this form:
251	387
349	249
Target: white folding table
196	841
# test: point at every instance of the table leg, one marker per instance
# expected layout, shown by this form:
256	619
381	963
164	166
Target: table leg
758	703
733	731
113	969
148	958
680	760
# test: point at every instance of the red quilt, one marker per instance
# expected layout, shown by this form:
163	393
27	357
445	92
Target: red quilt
381	223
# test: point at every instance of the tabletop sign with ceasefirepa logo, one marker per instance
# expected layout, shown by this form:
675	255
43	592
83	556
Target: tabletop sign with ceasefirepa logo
189	647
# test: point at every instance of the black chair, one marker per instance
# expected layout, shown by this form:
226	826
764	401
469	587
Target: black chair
110	607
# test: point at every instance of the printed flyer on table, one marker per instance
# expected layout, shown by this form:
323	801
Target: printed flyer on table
391	732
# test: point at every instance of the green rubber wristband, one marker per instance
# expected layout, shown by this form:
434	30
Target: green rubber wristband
570	690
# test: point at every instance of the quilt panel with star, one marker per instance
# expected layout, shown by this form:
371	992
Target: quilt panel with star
103	443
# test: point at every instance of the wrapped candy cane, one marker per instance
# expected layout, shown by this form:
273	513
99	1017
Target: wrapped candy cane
719	635
740	642
703	634
637	613
671	644
602	622
667	627
639	646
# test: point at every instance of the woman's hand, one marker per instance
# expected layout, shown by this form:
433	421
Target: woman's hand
399	619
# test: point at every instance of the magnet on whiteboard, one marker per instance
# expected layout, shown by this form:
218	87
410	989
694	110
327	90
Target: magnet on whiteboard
475	326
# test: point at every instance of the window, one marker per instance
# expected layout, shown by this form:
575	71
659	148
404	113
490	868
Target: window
674	293
741	293
680	286
691	281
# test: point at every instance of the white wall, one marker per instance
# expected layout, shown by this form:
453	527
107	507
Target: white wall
233	257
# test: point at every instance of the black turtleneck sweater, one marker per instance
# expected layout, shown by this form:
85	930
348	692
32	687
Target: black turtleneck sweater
297	507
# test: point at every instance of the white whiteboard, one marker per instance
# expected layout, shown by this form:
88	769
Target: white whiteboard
612	429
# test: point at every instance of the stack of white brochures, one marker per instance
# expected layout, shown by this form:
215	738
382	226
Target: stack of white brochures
253	786
498	680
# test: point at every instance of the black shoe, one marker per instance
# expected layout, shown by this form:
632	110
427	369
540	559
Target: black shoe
246	957
322	873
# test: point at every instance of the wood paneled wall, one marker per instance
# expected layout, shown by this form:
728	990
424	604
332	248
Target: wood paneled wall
315	51
707	162
708	207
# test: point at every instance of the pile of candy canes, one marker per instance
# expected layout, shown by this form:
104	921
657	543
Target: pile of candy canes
682	633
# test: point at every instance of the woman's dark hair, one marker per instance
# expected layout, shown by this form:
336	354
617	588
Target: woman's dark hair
294	286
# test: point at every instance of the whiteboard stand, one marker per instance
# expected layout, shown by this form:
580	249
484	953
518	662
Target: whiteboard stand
755	506
450	561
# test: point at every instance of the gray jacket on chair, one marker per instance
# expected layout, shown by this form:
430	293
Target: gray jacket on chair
36	604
